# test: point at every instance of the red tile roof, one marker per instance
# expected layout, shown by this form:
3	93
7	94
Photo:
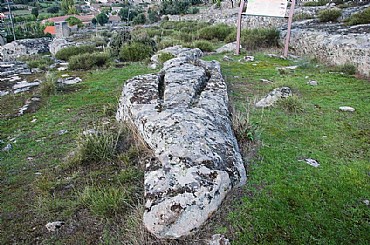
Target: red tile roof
50	29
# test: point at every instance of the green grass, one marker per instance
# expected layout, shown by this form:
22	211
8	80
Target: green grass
35	189
286	200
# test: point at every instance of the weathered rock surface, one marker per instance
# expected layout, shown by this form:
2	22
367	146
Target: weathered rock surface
182	114
274	96
219	239
12	51
177	51
53	226
229	47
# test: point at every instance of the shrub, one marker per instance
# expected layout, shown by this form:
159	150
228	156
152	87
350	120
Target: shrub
66	53
139	19
290	104
87	61
53	10
259	38
219	32
193	10
135	51
163	57
205	46
302	16
329	15
347	68
183	36
48	87
362	17
42	62
174	7
72	21
169	43
315	3
104	201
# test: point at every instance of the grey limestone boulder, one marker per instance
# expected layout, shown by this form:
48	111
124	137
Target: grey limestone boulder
274	96
182	114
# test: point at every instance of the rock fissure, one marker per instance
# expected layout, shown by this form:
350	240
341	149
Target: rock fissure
182	114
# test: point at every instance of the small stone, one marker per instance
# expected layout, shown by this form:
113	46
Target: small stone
29	158
249	58
53	226
219	239
38	173
153	66
312	83
265	80
90	132
63	131
227	58
306	77
312	162
347	108
366	202
3	93
65	75
34	120
8	147
63	68
274	96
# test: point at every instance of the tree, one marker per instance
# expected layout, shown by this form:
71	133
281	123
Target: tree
139	19
127	14
68	6
102	19
35	12
53	10
74	21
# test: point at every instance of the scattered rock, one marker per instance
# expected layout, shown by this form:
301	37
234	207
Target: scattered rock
247	59
24	86
90	132
276	56
153	66
219	239
273	96
53	226
62	68
3	93
347	108
265	81
34	120
366	202
24	47
69	80
63	131
182	114
229	47
312	83
227	58
312	162
8	147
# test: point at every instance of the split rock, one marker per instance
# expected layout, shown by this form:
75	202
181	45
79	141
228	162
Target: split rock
182	114
274	96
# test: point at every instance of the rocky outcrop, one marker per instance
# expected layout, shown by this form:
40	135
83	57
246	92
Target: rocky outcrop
182	114
58	44
25	47
274	96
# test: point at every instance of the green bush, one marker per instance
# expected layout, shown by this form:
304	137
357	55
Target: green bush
362	17
139	19
203	45
219	32
48	87
163	57
135	51
87	61
193	10
259	38
302	16
315	3
66	53
347	68
329	15
42	62
183	36
169	43
292	104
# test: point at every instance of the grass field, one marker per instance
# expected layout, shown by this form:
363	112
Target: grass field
285	201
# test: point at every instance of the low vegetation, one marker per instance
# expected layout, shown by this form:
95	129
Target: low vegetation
362	17
135	52
329	15
66	53
87	61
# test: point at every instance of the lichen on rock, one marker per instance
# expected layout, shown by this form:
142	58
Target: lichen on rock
182	114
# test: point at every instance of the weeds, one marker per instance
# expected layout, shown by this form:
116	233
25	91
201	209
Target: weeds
347	68
87	61
68	52
163	57
329	15
203	45
362	17
96	147
135	51
244	131
104	201
292	104
48	87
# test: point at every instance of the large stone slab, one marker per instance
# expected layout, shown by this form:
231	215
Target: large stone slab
25	47
182	114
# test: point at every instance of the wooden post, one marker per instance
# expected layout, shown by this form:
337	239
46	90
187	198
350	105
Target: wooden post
290	19
237	49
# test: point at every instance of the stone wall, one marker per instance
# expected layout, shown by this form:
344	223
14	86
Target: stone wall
24	47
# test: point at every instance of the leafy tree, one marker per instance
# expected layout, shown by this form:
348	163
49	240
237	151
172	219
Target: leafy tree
74	21
35	12
127	13
68	6
153	15
102	19
139	19
94	21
